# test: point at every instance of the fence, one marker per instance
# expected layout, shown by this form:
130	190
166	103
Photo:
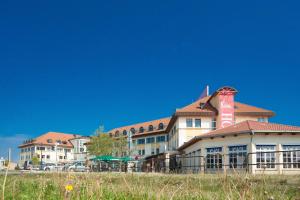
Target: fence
211	163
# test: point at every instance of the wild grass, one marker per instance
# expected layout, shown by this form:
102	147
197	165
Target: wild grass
150	186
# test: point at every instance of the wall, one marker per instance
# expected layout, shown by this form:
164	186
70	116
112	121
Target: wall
258	139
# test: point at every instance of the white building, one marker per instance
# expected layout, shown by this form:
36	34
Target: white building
2	163
193	137
51	147
80	152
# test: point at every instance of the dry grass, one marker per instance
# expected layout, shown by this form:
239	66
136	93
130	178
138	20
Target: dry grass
151	186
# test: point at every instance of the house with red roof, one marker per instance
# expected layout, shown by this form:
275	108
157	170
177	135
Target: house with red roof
216	133
54	147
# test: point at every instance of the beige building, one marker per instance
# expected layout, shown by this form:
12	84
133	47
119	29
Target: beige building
216	134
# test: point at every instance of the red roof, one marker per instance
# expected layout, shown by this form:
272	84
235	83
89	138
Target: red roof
145	125
240	109
51	138
244	127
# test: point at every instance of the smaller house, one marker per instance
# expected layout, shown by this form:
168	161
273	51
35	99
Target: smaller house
2	163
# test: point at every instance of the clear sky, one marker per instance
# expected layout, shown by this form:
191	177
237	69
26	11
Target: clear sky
69	66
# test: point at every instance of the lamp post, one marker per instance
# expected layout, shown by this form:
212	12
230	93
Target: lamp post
56	144
41	149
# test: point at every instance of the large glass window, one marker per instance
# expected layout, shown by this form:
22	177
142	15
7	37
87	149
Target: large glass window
291	156
214	158
150	140
237	156
265	156
198	123
189	123
141	141
161	138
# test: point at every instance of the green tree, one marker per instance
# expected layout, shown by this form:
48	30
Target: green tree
120	146
101	144
35	160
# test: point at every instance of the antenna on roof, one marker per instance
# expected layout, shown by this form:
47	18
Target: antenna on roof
205	93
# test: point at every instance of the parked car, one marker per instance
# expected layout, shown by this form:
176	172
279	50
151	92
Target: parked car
77	167
28	165
49	167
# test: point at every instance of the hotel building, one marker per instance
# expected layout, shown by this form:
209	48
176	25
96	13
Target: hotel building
54	148
217	133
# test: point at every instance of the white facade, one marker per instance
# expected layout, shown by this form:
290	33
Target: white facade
273	160
46	154
181	133
80	153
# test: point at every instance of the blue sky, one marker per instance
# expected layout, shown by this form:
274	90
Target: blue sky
73	65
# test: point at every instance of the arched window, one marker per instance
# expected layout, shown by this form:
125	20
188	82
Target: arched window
124	132
161	126
142	130
132	130
117	134
150	128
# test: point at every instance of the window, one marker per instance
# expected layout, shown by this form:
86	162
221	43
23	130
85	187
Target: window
261	119
60	157
265	156
110	134
161	138
150	140
142	152
124	132
237	156
214	158
198	123
150	128
81	150
48	156
141	130
189	123
141	141
132	130
117	134
214	124
161	126
291	156
157	151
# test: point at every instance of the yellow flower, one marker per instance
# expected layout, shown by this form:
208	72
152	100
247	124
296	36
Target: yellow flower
69	188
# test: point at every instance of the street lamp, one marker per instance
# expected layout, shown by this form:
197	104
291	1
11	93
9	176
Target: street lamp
56	144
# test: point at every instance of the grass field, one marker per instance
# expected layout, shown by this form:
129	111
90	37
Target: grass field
149	186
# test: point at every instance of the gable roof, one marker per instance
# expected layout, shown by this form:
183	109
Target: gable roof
50	139
239	108
145	125
244	127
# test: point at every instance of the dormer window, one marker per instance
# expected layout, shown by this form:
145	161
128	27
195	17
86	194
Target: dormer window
150	128
161	126
124	132
58	141
132	130
141	130
202	105
117	134
50	141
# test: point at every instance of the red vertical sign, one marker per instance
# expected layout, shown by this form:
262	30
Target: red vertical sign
226	110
